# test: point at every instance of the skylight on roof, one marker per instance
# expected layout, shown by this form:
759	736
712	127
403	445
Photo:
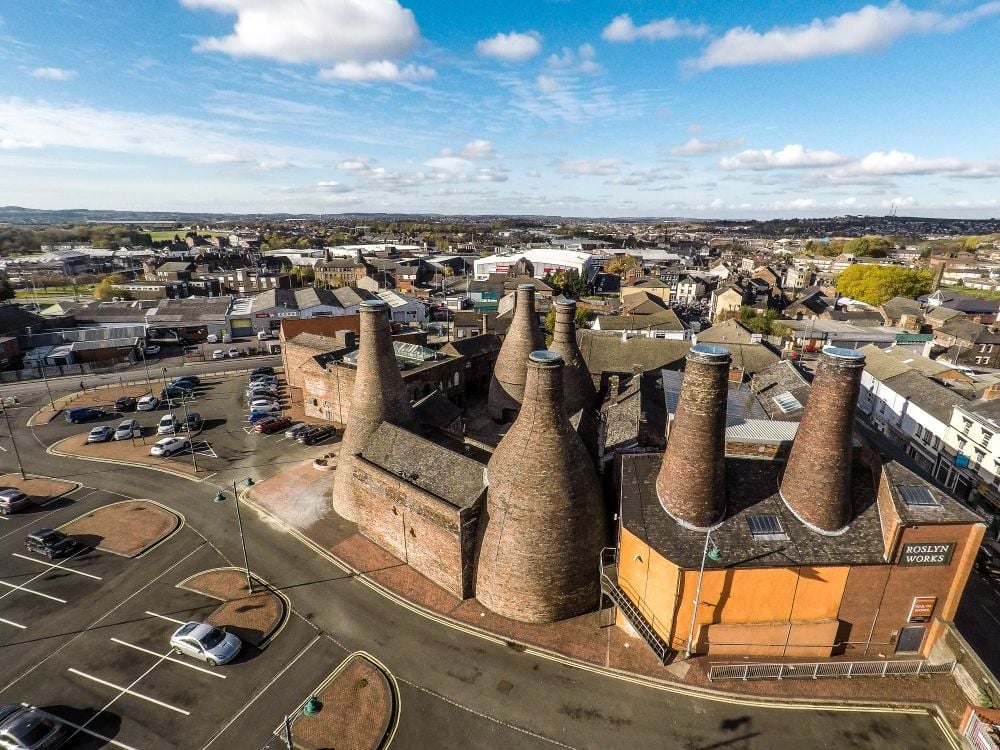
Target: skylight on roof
786	402
766	528
918	497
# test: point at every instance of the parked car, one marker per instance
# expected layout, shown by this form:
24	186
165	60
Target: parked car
169	446
295	429
218	354
316	434
84	413
262	371
193	380
126	430
275	424
192	422
257	415
206	642
169	425
101	434
147	403
988	558
176	391
12	500
51	543
152	350
125	403
234	352
260	404
28	728
212	338
270	386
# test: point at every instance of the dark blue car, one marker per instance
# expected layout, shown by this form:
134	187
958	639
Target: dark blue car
84	413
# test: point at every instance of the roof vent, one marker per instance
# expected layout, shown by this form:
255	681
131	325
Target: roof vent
786	402
766	528
918	497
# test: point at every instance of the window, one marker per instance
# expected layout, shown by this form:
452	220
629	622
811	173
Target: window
966	425
987	435
918	496
982	360
766	528
980	455
961	443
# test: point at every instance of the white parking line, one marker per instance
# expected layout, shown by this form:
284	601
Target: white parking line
31	591
57	565
13	624
169	658
164	617
123	690
78	728
4	518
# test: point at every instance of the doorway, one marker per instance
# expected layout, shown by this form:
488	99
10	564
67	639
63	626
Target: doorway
910	640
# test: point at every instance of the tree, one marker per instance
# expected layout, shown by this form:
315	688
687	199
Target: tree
105	290
877	284
620	264
583	320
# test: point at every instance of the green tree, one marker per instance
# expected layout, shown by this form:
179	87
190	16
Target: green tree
583	320
877	284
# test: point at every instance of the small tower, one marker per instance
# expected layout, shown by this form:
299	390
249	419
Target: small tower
816	485
379	396
510	371
691	484
545	523
577	383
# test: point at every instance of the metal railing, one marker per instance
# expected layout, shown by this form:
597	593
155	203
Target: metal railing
816	670
609	561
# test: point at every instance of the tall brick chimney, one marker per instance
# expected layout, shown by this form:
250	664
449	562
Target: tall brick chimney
379	396
691	484
545	523
523	338
816	485
577	384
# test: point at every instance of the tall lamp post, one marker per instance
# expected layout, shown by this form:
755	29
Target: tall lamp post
221	498
714	554
13	442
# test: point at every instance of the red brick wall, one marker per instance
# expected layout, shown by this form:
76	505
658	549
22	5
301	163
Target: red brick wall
433	537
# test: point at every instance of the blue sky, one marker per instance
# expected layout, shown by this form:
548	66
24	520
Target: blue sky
572	107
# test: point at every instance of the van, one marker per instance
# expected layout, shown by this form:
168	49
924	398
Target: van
227	339
212	338
988	558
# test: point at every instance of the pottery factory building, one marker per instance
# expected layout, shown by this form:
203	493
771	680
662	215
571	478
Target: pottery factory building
810	547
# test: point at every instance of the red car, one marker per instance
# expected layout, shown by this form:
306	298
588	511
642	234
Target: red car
273	424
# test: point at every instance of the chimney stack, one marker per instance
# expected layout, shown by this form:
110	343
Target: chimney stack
545	523
691	484
378	396
578	386
816	485
523	337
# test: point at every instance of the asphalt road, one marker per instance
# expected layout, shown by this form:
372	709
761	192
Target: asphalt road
457	690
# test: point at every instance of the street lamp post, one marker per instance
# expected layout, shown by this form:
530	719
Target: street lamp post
187	426
142	349
715	555
220	498
13	442
166	392
41	369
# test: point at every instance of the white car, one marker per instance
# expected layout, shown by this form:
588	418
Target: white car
169	425
147	403
206	642
169	446
262	401
234	352
153	349
218	354
126	430
265	408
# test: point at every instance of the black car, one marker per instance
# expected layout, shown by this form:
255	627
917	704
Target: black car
29	727
316	434
193	422
262	371
50	543
125	403
191	381
83	413
176	391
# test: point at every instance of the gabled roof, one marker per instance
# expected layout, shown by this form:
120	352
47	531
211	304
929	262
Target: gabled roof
880	365
664	320
485	343
727	332
604	351
898	306
435	410
934	398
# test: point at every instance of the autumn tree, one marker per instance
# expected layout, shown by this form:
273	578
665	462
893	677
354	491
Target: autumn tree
583	320
620	264
877	284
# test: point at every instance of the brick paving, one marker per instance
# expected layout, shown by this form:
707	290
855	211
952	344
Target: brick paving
253	617
123	450
128	528
582	637
40	489
358	708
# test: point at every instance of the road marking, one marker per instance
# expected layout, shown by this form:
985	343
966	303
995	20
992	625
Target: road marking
261	692
164	617
30	591
57	565
13	624
4	518
169	658
78	728
127	691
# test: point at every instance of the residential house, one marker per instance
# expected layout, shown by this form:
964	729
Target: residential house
654	286
663	324
968	344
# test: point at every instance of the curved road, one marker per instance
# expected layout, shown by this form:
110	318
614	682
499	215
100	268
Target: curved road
458	690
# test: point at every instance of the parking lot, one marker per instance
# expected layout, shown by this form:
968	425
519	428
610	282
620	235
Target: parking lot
86	638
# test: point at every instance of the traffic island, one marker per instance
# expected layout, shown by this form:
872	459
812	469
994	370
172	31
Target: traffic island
254	617
128	529
133	452
355	708
41	490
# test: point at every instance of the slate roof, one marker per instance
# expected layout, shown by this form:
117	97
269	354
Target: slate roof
781	377
435	410
317	341
752	358
664	320
647	282
485	343
751	489
948	511
450	476
191	309
604	351
727	332
943	314
966	330
898	306
14	319
349	296
934	398
880	365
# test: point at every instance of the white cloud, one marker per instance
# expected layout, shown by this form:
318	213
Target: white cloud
648	177
699	147
13	144
376	70
477	150
581	60
879	165
359	164
547	84
570	167
849	202
792	156
332	186
313	31
54	74
622	29
449	163
868	29
513	47
902	202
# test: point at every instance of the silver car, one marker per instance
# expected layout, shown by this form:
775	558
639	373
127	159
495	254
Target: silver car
100	434
126	429
169	446
12	499
206	642
169	425
26	728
